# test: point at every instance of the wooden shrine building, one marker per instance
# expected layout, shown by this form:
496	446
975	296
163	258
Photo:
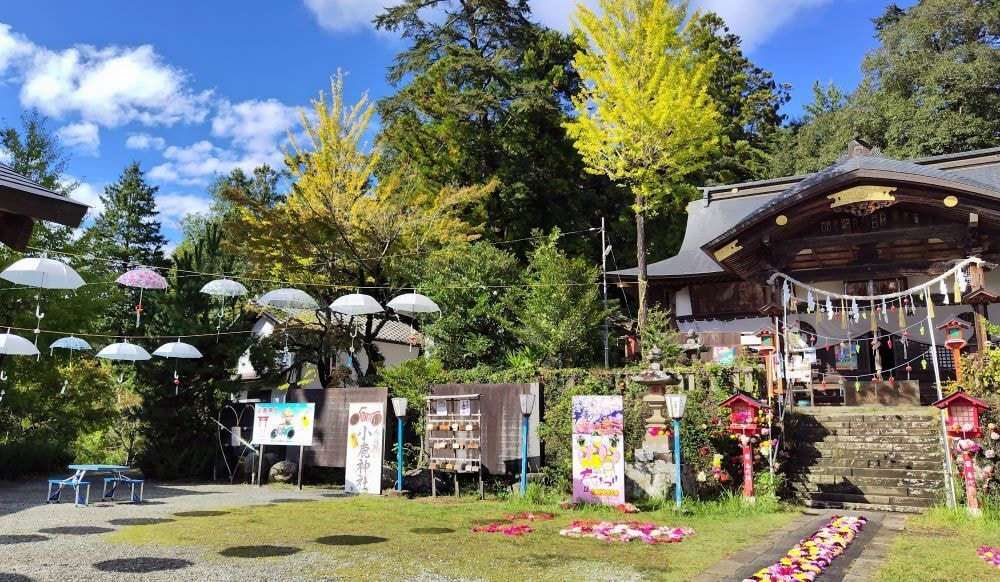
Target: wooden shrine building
865	225
22	202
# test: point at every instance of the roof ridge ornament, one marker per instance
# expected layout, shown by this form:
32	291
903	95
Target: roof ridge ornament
863	200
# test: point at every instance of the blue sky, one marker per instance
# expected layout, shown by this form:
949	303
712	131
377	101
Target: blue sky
193	89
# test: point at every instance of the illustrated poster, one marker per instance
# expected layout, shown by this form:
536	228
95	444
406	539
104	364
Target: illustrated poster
847	358
288	423
598	450
725	355
365	435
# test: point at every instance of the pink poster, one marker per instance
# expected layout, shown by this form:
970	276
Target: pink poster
598	450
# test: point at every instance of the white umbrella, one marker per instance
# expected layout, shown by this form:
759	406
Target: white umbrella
224	288
15	345
43	274
177	349
356	304
411	303
288	299
125	352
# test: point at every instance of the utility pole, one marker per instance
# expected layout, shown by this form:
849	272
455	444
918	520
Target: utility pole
604	276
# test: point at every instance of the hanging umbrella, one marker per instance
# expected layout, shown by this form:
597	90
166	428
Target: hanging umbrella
15	345
356	304
142	279
223	288
42	273
412	303
177	350
288	299
69	343
125	352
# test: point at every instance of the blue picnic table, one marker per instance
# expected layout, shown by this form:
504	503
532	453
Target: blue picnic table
78	480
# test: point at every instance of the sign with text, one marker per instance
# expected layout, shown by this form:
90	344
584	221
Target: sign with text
288	423
598	450
365	436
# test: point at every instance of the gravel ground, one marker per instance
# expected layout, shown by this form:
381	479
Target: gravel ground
63	542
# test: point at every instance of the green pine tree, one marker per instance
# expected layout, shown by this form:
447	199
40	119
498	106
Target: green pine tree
127	231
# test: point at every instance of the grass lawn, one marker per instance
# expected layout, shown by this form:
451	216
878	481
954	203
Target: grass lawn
941	545
433	536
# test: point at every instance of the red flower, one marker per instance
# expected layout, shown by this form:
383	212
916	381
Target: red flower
703	451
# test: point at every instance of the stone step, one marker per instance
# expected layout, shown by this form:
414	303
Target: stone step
819	434
886	500
851	415
866	438
842	424
847	487
878	447
862	482
901	464
828	450
872	472
861	506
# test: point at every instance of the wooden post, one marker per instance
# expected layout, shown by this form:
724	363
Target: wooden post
260	467
301	450
956	354
455	477
434	492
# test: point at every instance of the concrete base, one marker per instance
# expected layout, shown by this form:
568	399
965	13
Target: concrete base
653	474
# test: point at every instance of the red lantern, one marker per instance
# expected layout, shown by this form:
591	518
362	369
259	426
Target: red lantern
954	337
963	414
767	343
743	412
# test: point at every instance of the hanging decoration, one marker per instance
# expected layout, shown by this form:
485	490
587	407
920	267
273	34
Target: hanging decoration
72	344
810	301
829	308
356	304
41	273
15	345
177	350
413	303
224	288
124	352
287	299
141	279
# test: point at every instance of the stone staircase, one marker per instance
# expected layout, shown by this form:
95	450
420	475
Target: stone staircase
887	459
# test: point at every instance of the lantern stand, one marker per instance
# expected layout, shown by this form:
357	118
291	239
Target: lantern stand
527	403
963	423
767	349
743	411
955	341
399	407
675	408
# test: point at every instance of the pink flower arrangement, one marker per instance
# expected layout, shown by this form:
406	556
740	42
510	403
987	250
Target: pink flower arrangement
990	555
658	431
507	529
626	531
811	556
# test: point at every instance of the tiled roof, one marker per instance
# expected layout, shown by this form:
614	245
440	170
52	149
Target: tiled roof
394	330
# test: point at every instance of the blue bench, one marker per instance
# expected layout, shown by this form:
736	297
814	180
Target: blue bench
76	485
109	494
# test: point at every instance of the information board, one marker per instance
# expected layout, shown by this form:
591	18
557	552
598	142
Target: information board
288	423
598	450
365	436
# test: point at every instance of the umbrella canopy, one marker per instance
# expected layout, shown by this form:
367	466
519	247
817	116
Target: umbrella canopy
71	343
42	273
124	351
356	304
288	299
142	279
177	349
15	345
411	303
224	288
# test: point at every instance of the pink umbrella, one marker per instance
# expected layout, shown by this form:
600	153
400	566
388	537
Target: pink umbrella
143	279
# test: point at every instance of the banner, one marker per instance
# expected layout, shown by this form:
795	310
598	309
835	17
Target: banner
598	450
290	423
365	435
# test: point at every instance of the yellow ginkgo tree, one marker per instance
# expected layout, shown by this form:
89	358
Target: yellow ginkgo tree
342	227
643	117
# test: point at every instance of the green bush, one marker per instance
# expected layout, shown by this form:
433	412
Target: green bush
33	457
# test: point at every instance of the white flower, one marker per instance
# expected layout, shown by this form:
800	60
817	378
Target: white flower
702	476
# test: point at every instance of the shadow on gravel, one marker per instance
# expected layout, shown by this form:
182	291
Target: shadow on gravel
350	540
5	577
431	530
76	530
141	565
200	513
259	551
21	539
140	520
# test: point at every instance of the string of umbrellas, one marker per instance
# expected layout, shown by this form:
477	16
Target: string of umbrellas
49	274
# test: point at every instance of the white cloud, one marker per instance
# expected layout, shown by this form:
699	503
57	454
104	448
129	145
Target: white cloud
172	207
144	141
255	126
198	163
89	194
756	21
345	15
84	137
109	86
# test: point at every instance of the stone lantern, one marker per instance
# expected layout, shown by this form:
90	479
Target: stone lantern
954	340
963	424
692	346
656	379
743	413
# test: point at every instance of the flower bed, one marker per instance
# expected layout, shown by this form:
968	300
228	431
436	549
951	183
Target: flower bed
626	531
811	556
990	555
507	529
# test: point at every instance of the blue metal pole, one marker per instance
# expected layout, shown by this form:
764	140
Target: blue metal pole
399	452
677	459
524	457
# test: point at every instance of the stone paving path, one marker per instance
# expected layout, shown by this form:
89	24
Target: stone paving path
856	564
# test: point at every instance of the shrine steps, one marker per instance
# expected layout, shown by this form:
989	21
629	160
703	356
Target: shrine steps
880	459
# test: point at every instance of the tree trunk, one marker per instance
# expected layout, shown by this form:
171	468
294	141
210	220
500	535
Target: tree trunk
640	252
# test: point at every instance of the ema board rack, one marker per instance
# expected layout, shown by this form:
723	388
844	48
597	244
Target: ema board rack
455	437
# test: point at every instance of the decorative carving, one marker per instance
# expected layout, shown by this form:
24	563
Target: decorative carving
863	200
727	251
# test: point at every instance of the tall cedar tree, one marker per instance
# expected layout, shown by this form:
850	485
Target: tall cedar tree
482	92
340	229
645	118
931	86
